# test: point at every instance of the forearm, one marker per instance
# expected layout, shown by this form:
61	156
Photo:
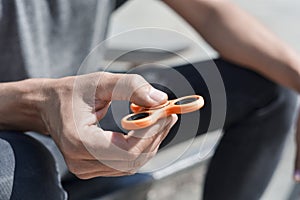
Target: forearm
241	39
19	107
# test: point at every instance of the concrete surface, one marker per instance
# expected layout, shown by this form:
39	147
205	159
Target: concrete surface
281	16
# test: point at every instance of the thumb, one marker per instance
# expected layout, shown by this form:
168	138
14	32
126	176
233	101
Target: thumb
297	161
131	87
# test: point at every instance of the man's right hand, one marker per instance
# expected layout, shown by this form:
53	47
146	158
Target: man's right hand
69	108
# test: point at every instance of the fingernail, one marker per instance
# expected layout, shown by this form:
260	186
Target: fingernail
297	175
157	95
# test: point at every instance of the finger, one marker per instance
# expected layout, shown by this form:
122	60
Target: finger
129	87
103	174
120	166
81	167
101	104
130	161
149	151
101	112
297	161
78	167
150	131
152	149
155	144
107	145
139	140
142	140
104	145
93	168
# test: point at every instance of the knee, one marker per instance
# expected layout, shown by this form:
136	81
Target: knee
277	115
35	173
282	103
31	156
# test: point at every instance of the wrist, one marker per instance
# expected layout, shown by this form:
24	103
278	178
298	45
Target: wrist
22	105
36	96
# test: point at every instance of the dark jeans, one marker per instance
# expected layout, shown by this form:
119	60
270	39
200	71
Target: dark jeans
259	115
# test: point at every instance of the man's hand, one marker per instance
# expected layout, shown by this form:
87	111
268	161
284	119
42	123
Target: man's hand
297	162
74	105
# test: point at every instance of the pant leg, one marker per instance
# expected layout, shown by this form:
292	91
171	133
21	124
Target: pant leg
259	115
28	170
7	163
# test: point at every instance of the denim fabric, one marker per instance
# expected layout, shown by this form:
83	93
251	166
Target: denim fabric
30	170
7	163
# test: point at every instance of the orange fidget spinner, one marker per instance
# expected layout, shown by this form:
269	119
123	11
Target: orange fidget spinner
143	117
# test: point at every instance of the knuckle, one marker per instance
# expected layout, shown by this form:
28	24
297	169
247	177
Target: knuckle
130	172
130	166
150	155
134	171
74	169
136	81
71	147
132	156
138	150
139	162
82	176
136	77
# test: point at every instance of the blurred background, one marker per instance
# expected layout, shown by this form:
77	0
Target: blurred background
281	16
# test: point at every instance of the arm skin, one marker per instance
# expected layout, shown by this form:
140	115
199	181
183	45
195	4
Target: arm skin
240	38
68	109
20	103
